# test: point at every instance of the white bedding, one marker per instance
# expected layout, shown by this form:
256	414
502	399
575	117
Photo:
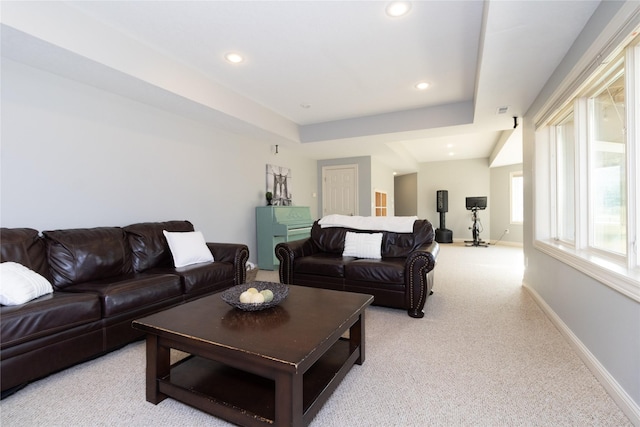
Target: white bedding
398	224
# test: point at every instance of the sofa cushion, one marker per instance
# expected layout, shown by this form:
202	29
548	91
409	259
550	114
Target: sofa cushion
387	270
46	315
18	284
24	246
199	278
331	240
322	264
187	248
84	254
328	240
149	247
121	294
402	244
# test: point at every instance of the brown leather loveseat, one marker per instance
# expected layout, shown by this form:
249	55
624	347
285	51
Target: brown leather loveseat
401	278
103	278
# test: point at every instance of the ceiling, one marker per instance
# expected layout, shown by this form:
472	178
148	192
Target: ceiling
329	79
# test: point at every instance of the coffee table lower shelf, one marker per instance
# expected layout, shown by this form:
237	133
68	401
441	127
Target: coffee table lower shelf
248	399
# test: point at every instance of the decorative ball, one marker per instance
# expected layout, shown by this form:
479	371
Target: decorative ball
245	297
257	298
267	294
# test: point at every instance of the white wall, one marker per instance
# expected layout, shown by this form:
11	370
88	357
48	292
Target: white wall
405	189
461	178
75	156
501	205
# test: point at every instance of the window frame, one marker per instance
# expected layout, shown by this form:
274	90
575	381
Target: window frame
621	273
565	116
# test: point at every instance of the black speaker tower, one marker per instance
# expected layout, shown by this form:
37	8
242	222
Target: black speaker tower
442	203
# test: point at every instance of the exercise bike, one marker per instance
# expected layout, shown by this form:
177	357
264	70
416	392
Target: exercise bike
477	241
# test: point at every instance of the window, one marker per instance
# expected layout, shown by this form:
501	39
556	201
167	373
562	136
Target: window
381	203
607	159
517	191
587	161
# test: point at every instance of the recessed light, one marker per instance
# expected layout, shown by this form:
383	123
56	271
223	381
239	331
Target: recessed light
234	58
398	8
422	86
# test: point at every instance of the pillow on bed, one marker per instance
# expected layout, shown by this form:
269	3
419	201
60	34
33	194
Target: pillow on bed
363	245
188	247
19	285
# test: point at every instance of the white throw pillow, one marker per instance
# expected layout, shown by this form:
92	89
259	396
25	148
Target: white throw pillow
18	284
188	248
363	245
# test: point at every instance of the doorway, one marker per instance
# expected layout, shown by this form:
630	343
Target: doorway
340	190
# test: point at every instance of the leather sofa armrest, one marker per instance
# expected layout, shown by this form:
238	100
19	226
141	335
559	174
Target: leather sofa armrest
417	268
432	250
287	252
235	253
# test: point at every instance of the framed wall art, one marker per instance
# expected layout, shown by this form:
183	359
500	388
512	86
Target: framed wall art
279	184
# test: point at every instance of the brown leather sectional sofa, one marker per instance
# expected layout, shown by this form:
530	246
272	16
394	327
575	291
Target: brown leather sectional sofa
402	278
103	278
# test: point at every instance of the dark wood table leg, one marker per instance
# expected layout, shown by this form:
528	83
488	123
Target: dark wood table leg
158	366
356	337
289	406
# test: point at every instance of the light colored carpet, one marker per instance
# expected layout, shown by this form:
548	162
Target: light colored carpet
484	355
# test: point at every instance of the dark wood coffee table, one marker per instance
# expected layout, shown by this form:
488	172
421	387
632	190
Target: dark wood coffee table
272	367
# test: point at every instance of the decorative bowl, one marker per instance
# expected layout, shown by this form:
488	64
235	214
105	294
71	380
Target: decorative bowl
232	295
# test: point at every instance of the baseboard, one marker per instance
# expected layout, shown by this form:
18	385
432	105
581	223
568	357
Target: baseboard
630	408
491	243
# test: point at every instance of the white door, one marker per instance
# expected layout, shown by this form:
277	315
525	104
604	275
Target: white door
340	190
